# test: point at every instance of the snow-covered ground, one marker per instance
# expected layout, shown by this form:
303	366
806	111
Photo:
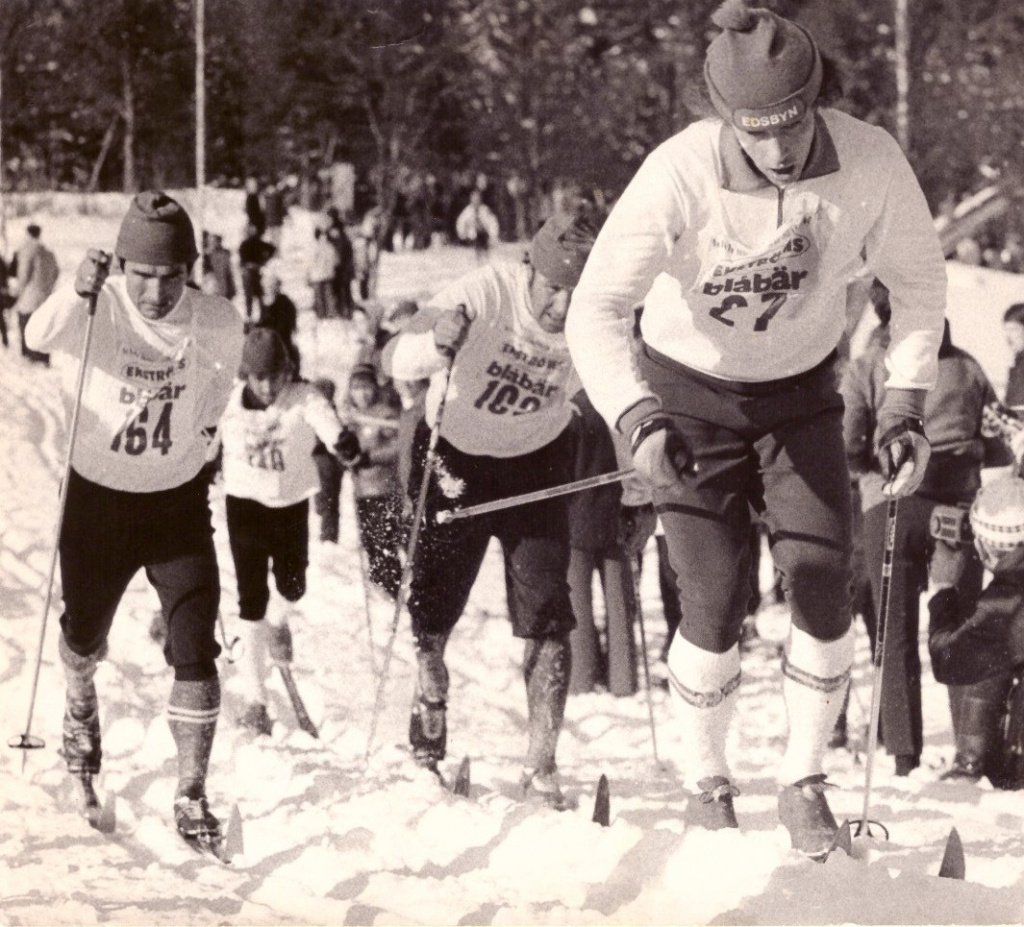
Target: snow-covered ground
331	839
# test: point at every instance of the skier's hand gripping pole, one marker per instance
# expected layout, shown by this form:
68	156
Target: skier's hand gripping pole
88	282
454	333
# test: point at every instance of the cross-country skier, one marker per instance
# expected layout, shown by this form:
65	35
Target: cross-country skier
504	432
977	648
739	235
268	432
160	366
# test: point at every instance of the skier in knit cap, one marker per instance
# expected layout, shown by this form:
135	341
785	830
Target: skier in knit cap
504	432
268	432
160	365
739	236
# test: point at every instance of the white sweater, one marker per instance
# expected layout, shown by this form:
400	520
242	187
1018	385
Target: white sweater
747	282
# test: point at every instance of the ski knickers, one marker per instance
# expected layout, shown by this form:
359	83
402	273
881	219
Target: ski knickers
262	539
534	538
775	448
108	535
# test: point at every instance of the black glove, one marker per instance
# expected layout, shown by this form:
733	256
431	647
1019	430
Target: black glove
661	454
451	329
347	448
92	273
636	525
903	453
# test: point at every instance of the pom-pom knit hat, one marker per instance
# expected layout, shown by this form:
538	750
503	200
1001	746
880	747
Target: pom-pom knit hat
264	354
156	230
762	70
997	515
561	247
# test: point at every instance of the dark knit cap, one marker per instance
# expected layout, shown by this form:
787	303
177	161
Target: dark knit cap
561	247
264	354
762	70
156	230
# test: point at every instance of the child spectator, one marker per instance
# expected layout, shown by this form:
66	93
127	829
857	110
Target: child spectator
375	477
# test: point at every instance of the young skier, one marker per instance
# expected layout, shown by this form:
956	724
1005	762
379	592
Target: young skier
504	432
268	432
160	367
739	235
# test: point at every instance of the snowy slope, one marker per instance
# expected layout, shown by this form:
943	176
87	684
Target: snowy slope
330	839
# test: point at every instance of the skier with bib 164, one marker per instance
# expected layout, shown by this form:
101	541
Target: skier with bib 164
504	432
739	236
159	369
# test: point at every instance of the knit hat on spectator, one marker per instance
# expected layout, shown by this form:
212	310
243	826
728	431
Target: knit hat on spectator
264	354
762	70
156	230
561	247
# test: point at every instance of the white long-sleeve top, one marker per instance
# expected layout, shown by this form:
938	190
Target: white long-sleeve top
268	453
151	389
511	381
747	282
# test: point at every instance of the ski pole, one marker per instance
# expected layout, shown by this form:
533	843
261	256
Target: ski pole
633	566
863	827
27	741
539	495
429	462
366	606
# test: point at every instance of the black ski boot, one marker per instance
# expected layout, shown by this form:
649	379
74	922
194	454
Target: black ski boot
711	808
804	811
428	732
196	824
976	709
81	729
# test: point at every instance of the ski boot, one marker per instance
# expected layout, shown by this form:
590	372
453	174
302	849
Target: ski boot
964	769
196	825
543	786
256	719
428	732
81	749
712	808
804	812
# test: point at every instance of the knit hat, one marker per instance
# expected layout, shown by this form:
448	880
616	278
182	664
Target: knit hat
762	70
561	247
156	230
264	354
997	515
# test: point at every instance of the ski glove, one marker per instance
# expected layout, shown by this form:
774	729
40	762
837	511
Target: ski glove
451	329
347	447
661	454
903	453
92	273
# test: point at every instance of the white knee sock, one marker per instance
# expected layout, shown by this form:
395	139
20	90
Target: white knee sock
252	663
816	675
698	676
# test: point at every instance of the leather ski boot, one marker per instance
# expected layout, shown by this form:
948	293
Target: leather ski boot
711	808
804	812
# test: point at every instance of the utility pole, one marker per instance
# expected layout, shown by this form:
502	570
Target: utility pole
201	121
902	37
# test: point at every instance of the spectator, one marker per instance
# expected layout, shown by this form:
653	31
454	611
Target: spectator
6	301
366	252
321	275
218	277
253	254
1013	330
344	269
255	218
279	314
275	211
37	276
477	225
327	502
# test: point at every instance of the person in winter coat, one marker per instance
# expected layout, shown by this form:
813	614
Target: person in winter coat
253	254
739	236
375	477
595	541
255	218
477	225
218	277
6	301
278	313
976	645
275	211
504	431
1013	329
162	358
320	275
953	425
37	274
344	268
268	432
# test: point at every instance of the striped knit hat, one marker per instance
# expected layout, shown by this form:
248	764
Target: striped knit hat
997	515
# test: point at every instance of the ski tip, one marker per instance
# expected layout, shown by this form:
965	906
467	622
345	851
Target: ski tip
843	839
106	821
234	841
953	863
462	779
602	803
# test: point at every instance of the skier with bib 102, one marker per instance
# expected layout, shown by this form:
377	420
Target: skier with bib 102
739	236
159	369
504	432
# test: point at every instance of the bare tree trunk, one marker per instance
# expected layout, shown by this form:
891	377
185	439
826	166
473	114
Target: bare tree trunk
3	195
129	181
108	142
